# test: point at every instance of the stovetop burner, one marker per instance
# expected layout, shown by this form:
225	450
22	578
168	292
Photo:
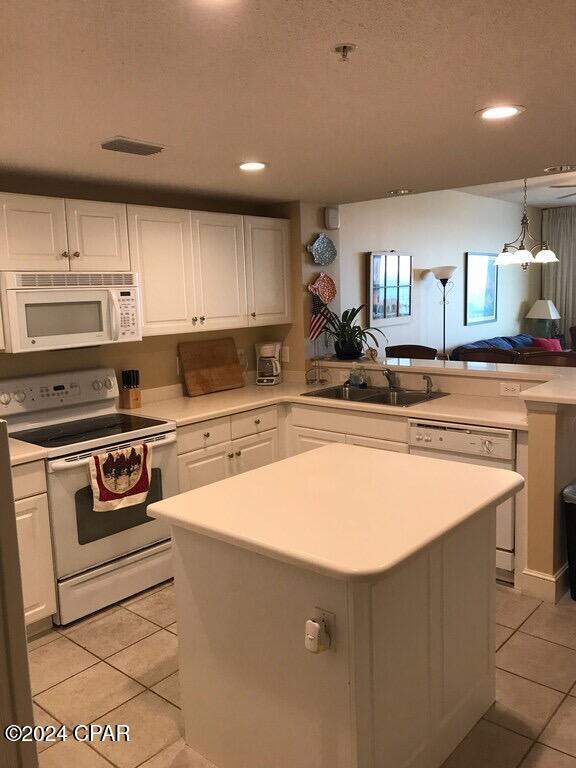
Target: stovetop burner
83	430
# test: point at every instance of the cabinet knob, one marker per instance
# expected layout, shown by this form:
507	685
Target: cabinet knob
238	453
202	318
206	434
256	421
76	254
65	255
252	314
194	319
230	455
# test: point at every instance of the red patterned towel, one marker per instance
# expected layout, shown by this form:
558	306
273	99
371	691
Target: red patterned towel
120	478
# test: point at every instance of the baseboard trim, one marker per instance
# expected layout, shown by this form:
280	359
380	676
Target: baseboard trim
544	586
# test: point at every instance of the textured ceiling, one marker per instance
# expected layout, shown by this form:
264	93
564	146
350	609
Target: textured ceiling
221	81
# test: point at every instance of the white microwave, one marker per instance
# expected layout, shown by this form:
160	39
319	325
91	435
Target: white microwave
65	310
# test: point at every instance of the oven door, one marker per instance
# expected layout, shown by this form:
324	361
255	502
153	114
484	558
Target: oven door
60	318
82	538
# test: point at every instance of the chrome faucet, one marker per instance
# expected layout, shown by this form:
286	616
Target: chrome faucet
391	376
429	385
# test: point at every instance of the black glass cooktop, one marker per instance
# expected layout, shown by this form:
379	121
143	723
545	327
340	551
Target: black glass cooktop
82	430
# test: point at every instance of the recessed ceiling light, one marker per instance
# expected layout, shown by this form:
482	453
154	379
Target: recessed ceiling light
560	169
398	192
253	166
501	112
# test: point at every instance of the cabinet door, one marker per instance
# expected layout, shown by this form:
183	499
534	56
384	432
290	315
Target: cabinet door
376	442
304	439
161	250
33	234
255	451
267	270
208	465
97	236
36	566
219	271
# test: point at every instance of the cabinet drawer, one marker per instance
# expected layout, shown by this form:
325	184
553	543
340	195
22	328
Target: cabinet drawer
374	442
376	425
254	422
28	479
204	434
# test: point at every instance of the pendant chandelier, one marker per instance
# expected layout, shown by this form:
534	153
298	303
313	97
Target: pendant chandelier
519	251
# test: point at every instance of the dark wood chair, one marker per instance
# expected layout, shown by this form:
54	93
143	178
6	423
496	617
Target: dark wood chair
489	355
415	351
565	359
573	337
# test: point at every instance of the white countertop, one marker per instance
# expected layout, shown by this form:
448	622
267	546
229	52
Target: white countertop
361	513
22	453
505	412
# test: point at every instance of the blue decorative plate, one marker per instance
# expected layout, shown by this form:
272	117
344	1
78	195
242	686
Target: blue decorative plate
322	249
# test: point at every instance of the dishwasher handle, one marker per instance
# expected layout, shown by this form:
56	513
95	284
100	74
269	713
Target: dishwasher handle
59	466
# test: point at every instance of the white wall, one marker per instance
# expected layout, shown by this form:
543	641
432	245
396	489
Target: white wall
437	228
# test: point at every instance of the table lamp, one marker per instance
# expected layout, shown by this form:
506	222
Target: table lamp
544	312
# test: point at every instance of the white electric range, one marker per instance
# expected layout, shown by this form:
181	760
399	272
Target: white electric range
99	557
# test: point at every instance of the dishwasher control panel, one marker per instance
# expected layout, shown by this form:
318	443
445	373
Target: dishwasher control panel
465	439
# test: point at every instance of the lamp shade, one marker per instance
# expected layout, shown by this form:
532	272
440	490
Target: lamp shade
543	309
546	256
443	273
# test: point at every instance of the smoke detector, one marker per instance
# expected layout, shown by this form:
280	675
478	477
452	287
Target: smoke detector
343	50
131	146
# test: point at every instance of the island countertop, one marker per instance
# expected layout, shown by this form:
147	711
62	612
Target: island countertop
344	511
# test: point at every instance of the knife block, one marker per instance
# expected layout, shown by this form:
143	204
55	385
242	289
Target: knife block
130	398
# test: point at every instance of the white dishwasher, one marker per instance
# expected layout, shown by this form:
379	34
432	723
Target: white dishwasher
487	446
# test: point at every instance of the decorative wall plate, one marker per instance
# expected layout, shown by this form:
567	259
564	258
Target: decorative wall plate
324	287
322	249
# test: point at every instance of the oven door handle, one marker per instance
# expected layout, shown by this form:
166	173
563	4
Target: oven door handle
58	466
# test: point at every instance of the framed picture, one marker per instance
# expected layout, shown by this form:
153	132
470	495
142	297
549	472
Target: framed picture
389	289
480	288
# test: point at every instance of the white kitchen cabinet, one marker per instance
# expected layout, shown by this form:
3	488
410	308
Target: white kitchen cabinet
161	248
305	439
97	236
219	271
205	466
266	244
33	234
375	442
255	451
36	565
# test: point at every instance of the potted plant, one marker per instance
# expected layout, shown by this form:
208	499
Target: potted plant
349	337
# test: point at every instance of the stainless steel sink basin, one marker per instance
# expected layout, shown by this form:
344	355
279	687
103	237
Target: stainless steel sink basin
375	395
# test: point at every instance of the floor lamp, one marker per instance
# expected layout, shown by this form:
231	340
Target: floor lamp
443	275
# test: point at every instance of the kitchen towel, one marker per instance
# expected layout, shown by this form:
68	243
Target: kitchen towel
120	478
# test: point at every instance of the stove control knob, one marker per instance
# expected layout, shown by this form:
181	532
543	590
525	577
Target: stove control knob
97	385
5	398
108	383
19	396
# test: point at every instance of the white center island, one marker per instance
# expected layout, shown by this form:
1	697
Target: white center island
393	554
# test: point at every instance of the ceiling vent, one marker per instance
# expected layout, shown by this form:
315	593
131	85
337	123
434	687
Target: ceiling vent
131	146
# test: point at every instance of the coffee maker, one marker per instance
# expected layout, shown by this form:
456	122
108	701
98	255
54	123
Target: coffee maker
268	369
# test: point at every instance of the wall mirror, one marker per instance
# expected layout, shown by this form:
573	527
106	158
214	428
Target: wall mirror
389	294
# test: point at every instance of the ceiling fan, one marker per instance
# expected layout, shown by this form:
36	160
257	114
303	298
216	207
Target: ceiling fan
564	186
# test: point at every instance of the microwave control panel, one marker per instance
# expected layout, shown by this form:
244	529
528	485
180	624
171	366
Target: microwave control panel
128	303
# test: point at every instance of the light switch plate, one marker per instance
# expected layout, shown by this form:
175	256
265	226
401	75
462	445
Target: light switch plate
510	388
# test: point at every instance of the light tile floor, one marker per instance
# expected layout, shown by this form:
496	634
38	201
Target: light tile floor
120	666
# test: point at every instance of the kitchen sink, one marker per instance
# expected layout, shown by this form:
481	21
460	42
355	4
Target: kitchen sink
376	395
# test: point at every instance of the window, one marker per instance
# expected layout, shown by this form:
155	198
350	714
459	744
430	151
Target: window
389	287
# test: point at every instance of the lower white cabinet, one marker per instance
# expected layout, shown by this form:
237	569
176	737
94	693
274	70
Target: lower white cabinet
305	439
217	462
35	549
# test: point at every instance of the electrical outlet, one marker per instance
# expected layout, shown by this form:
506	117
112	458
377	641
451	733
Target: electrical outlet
510	388
285	355
330	620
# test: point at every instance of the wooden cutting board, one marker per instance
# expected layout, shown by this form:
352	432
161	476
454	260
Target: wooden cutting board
210	366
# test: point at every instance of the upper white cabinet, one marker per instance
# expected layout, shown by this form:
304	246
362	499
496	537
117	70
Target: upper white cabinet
33	234
97	236
267	270
161	248
219	271
45	234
